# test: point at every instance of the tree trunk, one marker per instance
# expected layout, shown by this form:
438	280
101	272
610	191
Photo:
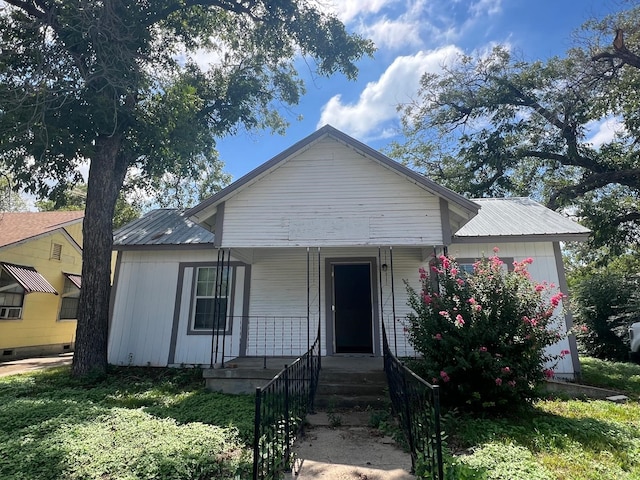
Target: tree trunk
106	175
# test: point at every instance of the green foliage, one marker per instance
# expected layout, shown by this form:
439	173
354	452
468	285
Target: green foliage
132	424
603	308
493	125
482	336
624	377
10	201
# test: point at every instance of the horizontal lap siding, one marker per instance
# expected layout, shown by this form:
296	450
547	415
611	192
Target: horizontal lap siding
542	269
143	309
331	195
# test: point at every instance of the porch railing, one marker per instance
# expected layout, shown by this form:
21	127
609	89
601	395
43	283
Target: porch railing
281	407
416	404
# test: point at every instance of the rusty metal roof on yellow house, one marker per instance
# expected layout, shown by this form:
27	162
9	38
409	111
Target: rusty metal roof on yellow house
18	226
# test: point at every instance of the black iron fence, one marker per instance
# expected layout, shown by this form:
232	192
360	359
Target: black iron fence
416	403
281	406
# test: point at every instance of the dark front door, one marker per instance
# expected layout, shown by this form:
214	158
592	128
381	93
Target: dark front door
352	308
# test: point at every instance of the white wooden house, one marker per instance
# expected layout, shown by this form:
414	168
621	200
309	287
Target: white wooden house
320	237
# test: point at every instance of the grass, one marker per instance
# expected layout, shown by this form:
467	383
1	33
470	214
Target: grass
559	438
133	424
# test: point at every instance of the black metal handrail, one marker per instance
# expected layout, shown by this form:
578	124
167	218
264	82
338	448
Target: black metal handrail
281	407
416	403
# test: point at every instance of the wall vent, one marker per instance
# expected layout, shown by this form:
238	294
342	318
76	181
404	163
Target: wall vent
7	353
56	251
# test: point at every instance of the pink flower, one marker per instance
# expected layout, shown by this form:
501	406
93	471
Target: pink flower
426	298
564	352
498	381
555	300
436	269
477	308
584	329
444	313
460	281
506	370
528	261
511	383
539	287
444	376
459	321
483	349
454	271
548	373
438	336
496	249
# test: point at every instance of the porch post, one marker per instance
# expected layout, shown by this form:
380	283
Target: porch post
380	288
319	314
308	300
213	333
393	303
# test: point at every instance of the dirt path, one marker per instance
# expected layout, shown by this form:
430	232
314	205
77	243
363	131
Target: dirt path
29	364
351	451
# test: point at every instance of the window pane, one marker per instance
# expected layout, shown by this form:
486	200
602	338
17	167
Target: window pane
70	288
69	308
206	282
204	314
10	299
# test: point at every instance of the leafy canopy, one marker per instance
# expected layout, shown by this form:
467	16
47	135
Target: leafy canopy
494	125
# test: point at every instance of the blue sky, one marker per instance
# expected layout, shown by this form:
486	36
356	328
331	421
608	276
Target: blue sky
412	37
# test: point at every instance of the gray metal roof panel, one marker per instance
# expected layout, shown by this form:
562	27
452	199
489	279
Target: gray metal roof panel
162	227
518	217
29	278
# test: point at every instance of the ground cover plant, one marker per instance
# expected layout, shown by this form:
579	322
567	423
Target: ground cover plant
131	424
557	438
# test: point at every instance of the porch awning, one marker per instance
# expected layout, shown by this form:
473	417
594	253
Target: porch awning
75	279
29	278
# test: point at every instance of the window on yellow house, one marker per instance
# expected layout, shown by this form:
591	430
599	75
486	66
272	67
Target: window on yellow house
11	297
70	297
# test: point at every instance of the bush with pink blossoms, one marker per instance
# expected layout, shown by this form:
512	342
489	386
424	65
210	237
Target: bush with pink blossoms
482	336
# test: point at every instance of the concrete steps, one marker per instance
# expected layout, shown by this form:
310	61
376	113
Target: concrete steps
342	388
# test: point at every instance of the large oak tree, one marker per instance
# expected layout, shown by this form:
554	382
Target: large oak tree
493	125
115	82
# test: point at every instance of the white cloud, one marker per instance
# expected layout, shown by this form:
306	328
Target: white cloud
393	34
347	10
603	131
376	106
486	7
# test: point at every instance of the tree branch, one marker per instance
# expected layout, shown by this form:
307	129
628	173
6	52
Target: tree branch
575	161
238	6
629	178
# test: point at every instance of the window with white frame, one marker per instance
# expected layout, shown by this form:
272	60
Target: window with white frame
69	303
211	299
11	297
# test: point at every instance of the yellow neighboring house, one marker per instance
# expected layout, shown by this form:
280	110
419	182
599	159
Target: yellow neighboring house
40	267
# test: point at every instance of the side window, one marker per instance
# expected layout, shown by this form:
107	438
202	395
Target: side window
11	297
70	298
211	299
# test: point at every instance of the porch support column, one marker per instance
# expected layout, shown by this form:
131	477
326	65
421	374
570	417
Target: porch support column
308	300
319	314
393	303
384	330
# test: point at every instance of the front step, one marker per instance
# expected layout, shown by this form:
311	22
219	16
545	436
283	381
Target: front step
341	388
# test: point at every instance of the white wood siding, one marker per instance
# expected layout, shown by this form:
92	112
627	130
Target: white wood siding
330	195
542	269
144	304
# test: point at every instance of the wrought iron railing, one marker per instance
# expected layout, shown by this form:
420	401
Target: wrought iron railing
281	407
279	336
416	404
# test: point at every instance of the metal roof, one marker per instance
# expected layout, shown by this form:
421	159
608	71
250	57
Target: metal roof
29	278
324	131
519	217
74	278
162	227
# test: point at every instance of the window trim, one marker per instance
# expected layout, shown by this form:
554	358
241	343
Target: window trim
23	295
230	301
72	294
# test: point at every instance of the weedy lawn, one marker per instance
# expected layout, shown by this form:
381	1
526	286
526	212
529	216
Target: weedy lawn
133	424
559	438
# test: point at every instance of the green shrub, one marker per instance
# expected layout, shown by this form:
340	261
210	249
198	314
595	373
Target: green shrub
604	307
482	336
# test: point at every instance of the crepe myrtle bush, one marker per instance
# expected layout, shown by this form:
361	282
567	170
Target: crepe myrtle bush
482	336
